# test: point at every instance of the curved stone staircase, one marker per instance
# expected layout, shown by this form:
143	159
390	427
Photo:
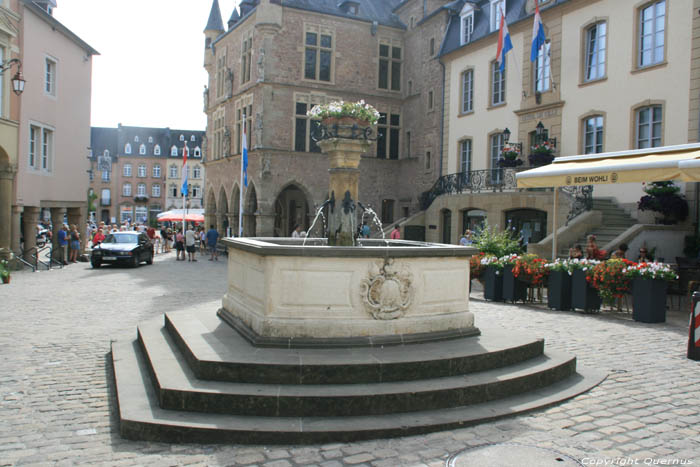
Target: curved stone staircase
193	378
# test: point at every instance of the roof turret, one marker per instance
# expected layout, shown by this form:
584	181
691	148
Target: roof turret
215	23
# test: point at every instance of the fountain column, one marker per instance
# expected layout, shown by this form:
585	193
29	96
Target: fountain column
344	155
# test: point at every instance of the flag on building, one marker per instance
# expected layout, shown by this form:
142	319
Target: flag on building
244	160
538	37
185	153
504	44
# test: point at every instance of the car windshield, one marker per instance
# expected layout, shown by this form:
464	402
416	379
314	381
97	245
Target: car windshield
120	238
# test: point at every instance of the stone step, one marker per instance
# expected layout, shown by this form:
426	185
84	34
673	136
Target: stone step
141	418
215	351
179	389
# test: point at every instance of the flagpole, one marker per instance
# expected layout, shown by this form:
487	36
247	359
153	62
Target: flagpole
183	191
240	190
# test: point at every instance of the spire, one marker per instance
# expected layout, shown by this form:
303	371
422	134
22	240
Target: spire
215	23
234	18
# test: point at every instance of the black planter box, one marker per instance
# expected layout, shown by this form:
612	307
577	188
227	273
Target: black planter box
493	284
649	300
583	295
559	290
513	289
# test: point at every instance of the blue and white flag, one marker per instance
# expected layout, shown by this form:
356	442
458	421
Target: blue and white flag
185	153
504	44
538	37
244	161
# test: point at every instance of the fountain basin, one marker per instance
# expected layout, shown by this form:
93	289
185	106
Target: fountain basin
282	292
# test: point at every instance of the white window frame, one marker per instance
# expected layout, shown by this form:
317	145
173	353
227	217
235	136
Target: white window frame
597	134
142	149
495	14
197	172
172	171
182	137
150	139
649	141
50	78
127	148
173	151
46	149
496	143
156	171
156	150
34	141
105	175
126	189
498	84
127	170
197	152
543	79
40	150
465	156
466	20
596	51
467	93
653	36
141	171
155	190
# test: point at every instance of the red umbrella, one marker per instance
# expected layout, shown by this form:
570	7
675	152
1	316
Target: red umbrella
177	217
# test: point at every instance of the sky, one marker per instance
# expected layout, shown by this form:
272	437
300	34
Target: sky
150	68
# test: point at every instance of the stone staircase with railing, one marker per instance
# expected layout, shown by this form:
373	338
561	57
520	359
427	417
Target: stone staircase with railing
615	222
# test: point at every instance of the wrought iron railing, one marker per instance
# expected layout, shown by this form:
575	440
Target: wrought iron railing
580	198
474	181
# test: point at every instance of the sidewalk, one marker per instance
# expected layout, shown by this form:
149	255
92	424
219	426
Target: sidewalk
57	401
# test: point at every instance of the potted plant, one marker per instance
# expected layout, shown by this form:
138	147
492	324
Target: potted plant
493	278
663	197
345	117
649	284
541	154
610	279
4	271
513	289
510	156
559	285
583	295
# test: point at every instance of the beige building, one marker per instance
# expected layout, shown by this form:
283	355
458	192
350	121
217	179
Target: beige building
613	75
54	125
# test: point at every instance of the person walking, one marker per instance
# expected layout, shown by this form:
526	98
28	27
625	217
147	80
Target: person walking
180	245
74	243
189	244
63	244
202	240
212	238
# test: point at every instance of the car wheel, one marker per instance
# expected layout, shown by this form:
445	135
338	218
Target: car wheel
150	259
135	261
95	264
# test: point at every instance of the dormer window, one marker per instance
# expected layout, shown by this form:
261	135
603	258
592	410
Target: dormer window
192	138
127	148
173	151
467	23
197	152
136	139
142	149
497	7
156	150
150	139
349	7
182	137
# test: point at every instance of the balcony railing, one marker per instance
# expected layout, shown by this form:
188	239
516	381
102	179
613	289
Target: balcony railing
474	181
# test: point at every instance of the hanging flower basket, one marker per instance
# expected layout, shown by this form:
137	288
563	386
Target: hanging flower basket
541	154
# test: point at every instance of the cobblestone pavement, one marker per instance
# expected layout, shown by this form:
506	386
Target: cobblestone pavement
57	401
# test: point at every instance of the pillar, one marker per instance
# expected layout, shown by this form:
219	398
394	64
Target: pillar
57	223
220	224
265	225
16	227
31	219
233	223
7	177
344	156
77	217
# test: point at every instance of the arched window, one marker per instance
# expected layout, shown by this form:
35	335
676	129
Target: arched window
106	153
136	139
127	148
529	224
192	138
142	149
182	137
173	150
156	150
156	171
197	152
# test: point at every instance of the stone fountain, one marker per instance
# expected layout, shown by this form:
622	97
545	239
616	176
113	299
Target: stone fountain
326	341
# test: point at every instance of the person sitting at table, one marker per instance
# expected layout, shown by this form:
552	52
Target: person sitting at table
644	256
576	252
621	251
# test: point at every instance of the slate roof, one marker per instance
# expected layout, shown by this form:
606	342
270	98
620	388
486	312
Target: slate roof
380	11
515	12
101	139
214	23
115	140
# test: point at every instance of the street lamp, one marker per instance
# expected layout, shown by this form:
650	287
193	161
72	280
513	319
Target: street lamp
18	79
506	135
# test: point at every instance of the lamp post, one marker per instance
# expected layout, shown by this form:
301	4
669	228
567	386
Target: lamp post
542	135
17	80
506	138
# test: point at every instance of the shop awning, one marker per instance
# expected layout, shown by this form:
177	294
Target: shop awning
635	166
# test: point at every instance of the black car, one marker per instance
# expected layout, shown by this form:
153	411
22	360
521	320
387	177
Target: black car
123	247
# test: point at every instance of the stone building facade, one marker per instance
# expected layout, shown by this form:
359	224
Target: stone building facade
136	172
278	58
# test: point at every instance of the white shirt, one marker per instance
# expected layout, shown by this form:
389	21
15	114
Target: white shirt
189	237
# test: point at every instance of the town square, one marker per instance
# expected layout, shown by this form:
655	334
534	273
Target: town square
385	233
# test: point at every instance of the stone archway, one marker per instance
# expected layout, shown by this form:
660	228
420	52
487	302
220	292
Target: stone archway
291	208
250	208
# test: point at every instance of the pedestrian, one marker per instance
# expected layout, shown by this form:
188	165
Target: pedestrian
74	243
212	238
180	245
63	244
189	243
164	239
296	233
365	230
396	233
576	252
98	238
202	240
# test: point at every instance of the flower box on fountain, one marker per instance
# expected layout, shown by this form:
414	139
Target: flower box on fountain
344	119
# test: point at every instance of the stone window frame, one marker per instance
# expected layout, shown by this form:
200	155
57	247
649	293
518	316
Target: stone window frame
195	190
172	171
243	105
649	103
546	53
156	150
391	44
50	76
156	171
173	191
397	130
493	69
142	149
310	99
637	43
173	151
155	190
196	172
582	125
462	94
431	47
43	147
584	51
319	30
126	189
491	158
127	148
246	56
141	189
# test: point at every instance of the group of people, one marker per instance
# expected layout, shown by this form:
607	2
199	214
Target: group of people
165	239
593	252
68	237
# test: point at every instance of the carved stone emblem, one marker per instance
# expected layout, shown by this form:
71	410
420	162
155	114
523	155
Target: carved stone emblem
387	292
